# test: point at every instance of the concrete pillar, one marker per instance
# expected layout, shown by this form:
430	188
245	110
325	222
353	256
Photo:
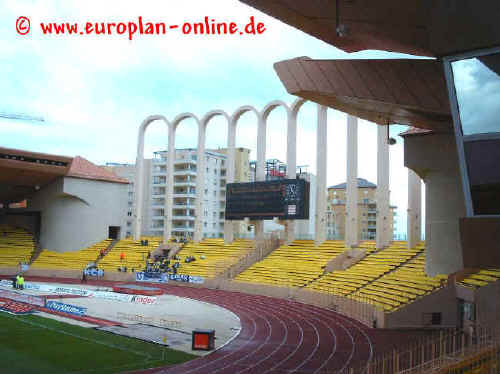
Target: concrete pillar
321	163
383	236
139	176
434	158
291	160
261	168
352	220
230	171
414	215
139	185
169	197
200	184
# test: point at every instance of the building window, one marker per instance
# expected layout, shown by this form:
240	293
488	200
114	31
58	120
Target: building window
476	109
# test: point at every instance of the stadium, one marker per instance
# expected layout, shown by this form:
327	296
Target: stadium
79	294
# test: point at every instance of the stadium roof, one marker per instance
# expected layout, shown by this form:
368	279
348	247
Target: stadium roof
403	91
362	183
24	172
418	27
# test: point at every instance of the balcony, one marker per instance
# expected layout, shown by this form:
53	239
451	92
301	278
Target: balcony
185	194
182	218
183	206
185	184
185	172
182	229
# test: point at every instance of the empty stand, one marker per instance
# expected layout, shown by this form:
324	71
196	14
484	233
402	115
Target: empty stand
397	288
293	265
388	279
76	260
481	278
16	245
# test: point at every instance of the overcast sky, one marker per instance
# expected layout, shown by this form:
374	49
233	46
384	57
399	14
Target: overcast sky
94	91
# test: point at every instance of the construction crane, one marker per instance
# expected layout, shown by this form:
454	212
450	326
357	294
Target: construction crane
21	117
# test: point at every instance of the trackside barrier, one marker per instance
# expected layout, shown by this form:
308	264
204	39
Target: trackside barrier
23	298
447	352
162	321
66	308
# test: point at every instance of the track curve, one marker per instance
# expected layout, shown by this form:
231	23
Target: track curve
277	337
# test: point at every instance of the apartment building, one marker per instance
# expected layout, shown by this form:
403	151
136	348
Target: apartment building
185	172
367	211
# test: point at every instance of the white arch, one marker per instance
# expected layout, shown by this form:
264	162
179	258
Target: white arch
262	116
167	233
261	153
139	164
231	159
200	175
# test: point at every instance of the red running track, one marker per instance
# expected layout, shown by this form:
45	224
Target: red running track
280	336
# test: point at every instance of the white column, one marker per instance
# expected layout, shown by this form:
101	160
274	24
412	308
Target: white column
352	220
139	185
321	153
261	168
200	184
291	160
169	198
414	216
230	171
383	235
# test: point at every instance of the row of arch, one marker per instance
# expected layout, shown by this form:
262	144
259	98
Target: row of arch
232	122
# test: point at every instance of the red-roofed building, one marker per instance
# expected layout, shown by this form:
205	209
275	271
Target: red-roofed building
71	202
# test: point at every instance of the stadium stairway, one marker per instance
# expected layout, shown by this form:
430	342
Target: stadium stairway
135	254
36	252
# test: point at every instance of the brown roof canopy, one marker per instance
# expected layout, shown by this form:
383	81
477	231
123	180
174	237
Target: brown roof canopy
419	27
408	92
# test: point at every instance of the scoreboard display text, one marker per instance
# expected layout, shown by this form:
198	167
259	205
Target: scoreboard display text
284	199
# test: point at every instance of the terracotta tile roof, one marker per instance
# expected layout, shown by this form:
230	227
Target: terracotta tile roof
416	131
82	168
362	183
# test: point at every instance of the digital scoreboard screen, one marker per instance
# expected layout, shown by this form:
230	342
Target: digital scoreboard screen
284	199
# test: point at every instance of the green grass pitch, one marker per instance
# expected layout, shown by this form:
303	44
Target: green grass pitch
33	344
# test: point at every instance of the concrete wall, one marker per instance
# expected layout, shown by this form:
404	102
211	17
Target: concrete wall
443	300
488	305
76	213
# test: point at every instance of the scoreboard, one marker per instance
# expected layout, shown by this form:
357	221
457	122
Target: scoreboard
284	199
